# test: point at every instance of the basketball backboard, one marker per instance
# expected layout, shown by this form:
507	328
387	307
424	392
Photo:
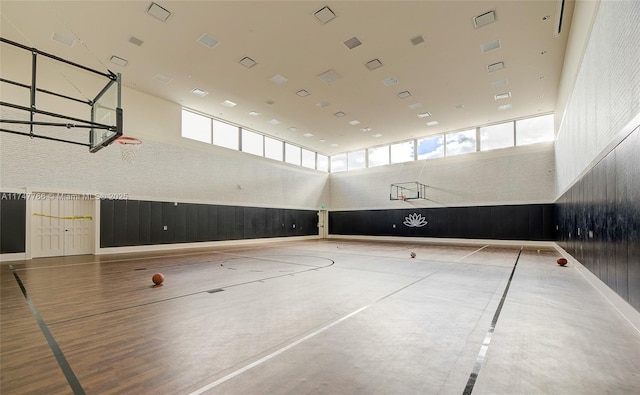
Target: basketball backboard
407	191
71	116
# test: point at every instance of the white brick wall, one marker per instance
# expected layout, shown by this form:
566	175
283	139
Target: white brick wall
606	94
193	172
510	176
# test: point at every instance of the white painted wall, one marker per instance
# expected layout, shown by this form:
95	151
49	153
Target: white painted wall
603	105
518	175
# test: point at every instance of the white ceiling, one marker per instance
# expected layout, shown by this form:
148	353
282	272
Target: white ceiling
446	71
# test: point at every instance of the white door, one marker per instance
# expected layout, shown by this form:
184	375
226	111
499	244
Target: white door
61	224
323	223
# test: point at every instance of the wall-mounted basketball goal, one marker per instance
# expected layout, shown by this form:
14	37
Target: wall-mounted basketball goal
407	191
83	108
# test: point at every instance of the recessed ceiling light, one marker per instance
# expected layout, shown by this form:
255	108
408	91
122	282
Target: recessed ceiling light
334	145
432	123
390	81
158	12
119	61
353	42
135	41
424	115
199	92
228	103
322	104
247	62
62	39
293	129
504	107
499	83
373	64
163	78
366	129
253	113
278	79
490	46
354	122
459	106
308	135
484	19
495	66
339	114
329	76
414	106
376	135
324	15
502	96
322	140
274	121
404	94
417	40
302	93
208	41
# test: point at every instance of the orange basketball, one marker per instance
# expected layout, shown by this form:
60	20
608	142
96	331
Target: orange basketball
562	261
158	278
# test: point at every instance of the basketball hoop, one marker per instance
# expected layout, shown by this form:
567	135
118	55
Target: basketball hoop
129	148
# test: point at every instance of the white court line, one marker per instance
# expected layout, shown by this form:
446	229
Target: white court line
471	253
274	354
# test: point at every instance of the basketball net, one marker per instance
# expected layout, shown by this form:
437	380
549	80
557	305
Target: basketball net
129	148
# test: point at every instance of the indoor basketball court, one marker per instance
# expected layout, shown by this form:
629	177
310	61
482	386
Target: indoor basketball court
334	316
407	197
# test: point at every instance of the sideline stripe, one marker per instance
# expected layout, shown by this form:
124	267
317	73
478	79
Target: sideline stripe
487	339
55	348
471	253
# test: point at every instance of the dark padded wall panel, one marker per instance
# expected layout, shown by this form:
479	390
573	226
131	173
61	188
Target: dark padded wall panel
132	222
13	213
520	222
144	222
598	220
106	222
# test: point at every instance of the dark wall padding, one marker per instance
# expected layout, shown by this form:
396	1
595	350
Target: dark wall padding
518	222
134	222
599	220
13	212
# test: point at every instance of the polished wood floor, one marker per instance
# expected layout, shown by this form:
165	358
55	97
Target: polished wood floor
312	317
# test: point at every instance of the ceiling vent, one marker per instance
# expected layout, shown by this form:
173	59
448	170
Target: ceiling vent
228	103
62	39
499	83
390	81
278	79
158	12
373	64
414	106
163	78
324	15
504	107
432	123
322	104
495	66
199	92
424	115
302	93
490	46
354	122
403	95
135	41
208	41
308	135
247	62
502	96
417	40
329	76
353	42
484	19
119	61
273	121
340	114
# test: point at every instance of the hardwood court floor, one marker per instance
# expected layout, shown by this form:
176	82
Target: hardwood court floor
312	317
